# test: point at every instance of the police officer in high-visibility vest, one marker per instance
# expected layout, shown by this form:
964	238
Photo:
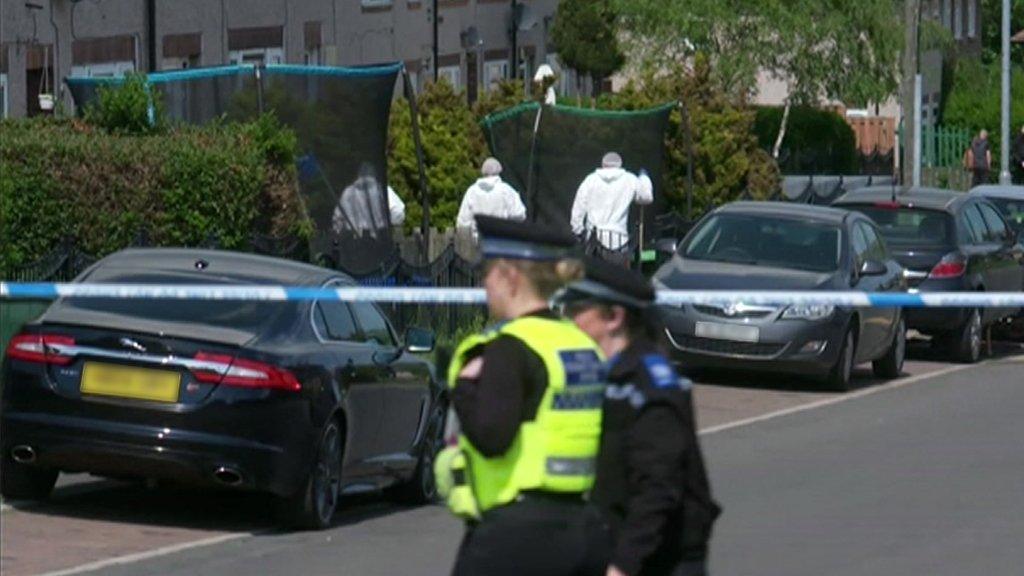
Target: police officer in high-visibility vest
527	393
651	482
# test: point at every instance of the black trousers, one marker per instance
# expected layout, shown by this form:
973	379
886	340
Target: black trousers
536	536
979	176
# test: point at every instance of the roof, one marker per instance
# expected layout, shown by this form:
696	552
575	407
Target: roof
243	267
930	198
787	209
1008	192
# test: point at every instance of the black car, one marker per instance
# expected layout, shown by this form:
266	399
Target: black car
304	400
782	246
948	242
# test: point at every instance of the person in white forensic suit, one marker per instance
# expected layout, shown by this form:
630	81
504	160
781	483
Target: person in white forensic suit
489	196
603	201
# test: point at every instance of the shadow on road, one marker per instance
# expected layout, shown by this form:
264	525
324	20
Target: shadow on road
187	507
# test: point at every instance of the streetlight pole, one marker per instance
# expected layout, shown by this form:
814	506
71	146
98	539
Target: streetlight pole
515	38
1004	151
910	107
435	62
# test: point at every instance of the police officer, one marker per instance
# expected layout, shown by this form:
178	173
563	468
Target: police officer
528	395
651	482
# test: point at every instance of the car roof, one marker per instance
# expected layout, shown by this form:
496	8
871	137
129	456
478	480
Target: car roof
1006	191
787	209
240	266
929	198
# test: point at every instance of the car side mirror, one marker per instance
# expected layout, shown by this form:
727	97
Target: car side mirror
873	268
419	340
666	246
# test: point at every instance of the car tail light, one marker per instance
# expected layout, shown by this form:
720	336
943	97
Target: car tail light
951	266
37	348
232	371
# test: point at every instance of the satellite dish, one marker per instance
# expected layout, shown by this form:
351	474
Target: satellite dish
525	18
471	38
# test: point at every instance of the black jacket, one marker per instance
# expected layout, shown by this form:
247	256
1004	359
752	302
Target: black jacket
651	481
1018	148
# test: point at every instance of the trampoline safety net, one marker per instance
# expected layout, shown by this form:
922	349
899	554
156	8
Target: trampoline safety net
340	118
547	151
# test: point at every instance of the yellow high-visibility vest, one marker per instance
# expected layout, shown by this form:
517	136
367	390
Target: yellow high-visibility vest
557	450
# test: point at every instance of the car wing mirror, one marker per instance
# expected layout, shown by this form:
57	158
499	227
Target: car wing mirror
666	246
873	268
419	340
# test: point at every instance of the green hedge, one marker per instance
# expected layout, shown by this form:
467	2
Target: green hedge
64	177
975	102
817	140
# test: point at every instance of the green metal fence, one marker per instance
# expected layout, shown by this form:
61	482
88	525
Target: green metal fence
943	146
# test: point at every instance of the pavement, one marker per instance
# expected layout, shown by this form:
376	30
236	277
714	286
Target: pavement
919	475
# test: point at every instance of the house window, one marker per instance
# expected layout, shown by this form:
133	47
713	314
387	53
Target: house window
494	72
180	62
958	19
3	96
257	56
376	3
103	69
945	15
453	74
972	18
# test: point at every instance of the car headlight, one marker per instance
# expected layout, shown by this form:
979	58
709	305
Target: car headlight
809	312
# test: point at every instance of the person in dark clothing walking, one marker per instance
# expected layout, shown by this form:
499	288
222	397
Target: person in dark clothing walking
981	159
1018	157
527	393
651	482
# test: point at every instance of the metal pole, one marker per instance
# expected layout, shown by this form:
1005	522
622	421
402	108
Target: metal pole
515	38
436	19
916	179
1004	151
151	35
410	94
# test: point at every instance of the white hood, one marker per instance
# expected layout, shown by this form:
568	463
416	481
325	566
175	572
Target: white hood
488	183
610	174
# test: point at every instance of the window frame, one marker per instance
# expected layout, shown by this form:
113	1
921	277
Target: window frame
972	231
992	235
358	337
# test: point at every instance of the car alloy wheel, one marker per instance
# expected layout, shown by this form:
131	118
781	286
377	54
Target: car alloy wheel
327	474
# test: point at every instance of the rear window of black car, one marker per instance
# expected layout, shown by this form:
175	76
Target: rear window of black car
911	226
763	240
248	316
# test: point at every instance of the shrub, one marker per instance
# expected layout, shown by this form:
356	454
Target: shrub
727	161
817	141
68	178
975	101
127	107
453	149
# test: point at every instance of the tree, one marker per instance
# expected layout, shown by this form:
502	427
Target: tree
821	49
585	35
992	31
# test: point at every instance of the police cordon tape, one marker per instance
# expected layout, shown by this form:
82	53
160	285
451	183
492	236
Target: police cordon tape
469	296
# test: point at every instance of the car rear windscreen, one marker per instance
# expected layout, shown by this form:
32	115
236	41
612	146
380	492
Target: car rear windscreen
911	226
763	240
247	316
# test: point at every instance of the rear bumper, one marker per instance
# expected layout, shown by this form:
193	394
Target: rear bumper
84	445
935	320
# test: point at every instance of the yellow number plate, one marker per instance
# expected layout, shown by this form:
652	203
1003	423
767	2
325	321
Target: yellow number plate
124	382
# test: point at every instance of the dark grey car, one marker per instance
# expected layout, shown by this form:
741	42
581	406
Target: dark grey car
949	242
778	246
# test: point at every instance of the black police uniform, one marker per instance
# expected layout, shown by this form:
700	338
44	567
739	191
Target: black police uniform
539	533
651	482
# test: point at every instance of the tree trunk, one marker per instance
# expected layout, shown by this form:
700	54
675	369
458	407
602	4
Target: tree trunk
782	131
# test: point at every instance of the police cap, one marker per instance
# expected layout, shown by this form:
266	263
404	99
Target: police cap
607	283
501	238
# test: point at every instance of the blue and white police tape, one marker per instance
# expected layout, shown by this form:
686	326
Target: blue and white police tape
49	291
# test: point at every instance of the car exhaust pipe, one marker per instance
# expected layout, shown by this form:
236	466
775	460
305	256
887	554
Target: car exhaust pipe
23	454
227	476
